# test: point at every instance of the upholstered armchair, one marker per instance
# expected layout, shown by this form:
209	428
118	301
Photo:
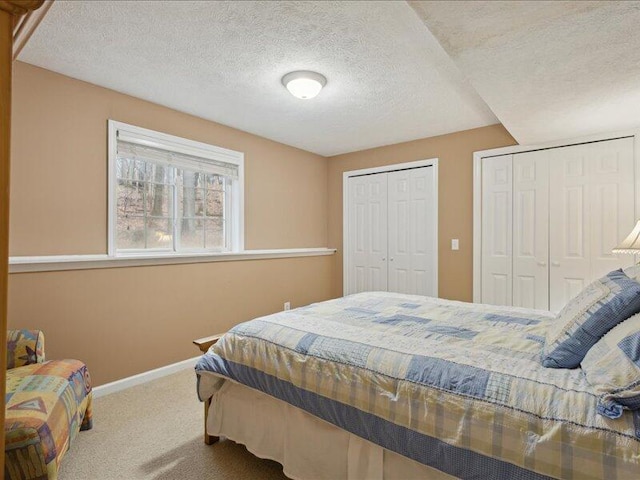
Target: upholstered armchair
47	403
24	347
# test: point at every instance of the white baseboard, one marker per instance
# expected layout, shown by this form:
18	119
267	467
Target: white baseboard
143	377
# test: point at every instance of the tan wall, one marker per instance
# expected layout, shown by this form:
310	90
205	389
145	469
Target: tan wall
123	321
128	320
59	168
455	198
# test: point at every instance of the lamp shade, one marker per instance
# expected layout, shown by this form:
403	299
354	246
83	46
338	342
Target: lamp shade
631	244
304	84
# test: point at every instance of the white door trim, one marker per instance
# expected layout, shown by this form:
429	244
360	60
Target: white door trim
431	162
477	187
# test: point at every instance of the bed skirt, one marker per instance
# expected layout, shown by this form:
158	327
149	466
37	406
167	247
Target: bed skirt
307	447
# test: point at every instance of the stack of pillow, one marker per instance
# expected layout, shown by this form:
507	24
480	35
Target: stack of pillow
599	330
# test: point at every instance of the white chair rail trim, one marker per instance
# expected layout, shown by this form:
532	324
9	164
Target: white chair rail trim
53	263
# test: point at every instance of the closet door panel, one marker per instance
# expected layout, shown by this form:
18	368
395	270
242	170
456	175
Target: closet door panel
497	230
531	230
571	206
367	240
612	209
411	236
422	239
569	223
592	208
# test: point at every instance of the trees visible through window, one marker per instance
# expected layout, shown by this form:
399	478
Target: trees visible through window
167	200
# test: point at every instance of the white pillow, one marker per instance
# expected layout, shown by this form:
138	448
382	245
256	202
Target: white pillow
612	367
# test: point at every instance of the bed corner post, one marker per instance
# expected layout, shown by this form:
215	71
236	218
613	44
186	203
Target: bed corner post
204	344
208	439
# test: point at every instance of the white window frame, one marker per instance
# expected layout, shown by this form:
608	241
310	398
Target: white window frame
184	146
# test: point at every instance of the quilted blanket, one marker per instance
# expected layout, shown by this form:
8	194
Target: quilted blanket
46	405
453	385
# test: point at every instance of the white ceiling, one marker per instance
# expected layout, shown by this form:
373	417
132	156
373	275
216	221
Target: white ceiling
388	78
548	70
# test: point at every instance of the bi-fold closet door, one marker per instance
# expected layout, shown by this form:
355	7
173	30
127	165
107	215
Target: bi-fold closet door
531	230
550	219
367	238
391	241
592	209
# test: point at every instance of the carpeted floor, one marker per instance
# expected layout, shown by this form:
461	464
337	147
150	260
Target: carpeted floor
154	431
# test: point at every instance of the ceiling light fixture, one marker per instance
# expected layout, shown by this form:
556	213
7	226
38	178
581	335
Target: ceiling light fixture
304	84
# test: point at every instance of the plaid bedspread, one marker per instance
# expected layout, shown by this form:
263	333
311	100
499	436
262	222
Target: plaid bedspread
453	385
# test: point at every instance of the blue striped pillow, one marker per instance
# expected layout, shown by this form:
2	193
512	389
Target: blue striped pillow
612	367
586	318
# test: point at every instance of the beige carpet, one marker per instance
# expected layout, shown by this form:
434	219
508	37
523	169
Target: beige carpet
154	431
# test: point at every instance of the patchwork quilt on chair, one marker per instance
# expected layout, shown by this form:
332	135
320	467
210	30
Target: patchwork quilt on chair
46	405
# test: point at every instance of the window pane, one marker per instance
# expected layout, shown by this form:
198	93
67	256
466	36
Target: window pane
215	203
124	167
187	178
159	200
200	202
214	233
200	180
166	199
130	169
215	181
130	231
192	233
130	199
159	233
157	173
192	200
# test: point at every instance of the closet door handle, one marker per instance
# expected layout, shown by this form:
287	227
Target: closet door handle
391	259
542	264
555	264
384	259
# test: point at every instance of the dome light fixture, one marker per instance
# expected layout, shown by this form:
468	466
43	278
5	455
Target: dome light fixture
304	84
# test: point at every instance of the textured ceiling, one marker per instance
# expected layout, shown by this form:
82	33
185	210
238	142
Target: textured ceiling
548	70
388	79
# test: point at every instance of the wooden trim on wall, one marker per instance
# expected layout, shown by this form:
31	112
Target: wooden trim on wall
9	9
19	7
26	25
6	46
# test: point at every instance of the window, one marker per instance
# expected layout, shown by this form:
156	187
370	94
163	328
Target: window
170	195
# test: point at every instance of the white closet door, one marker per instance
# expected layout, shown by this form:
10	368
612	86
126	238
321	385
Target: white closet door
591	210
531	230
569	223
367	240
612	203
497	230
411	235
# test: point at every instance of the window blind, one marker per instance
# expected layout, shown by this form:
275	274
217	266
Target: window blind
180	160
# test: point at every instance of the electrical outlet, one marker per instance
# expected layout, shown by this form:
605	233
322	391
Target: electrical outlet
287	306
454	244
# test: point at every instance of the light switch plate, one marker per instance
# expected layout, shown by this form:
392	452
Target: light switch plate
454	244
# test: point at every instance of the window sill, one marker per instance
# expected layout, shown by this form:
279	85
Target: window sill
54	263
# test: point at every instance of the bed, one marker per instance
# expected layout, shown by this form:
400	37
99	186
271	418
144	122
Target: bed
381	385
